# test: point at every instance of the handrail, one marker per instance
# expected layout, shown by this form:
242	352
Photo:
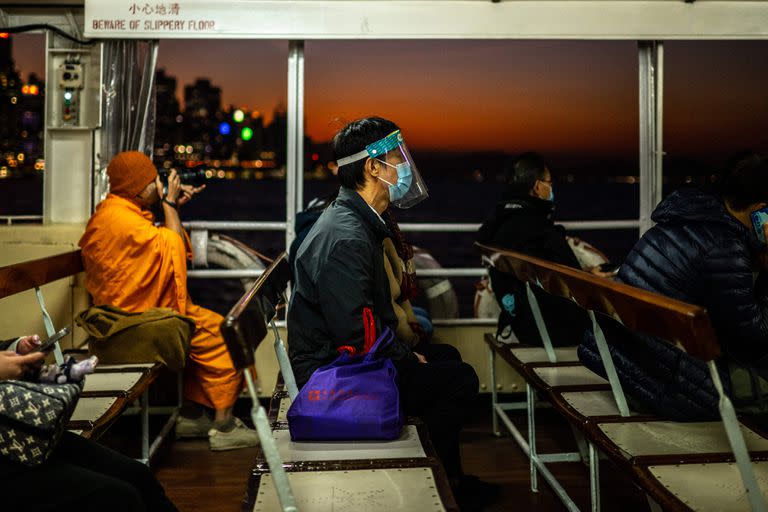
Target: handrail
9	219
639	310
26	275
251	273
236	225
415	227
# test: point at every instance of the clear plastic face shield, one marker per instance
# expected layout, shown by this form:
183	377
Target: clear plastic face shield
406	188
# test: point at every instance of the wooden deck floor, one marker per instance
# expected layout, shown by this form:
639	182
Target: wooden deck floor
197	479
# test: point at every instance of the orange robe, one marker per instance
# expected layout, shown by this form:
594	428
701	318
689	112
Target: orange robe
134	265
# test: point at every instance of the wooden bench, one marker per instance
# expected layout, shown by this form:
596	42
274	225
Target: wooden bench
106	393
715	465
400	475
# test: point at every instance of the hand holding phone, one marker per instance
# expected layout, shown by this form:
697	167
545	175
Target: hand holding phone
48	344
759	219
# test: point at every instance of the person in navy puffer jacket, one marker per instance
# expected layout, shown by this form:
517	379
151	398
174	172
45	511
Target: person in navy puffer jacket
703	250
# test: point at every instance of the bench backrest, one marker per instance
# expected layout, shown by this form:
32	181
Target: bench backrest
35	273
684	324
245	326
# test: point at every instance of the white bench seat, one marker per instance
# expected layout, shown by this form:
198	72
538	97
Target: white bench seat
369	490
527	355
408	446
593	403
101	382
649	438
92	408
555	376
710	487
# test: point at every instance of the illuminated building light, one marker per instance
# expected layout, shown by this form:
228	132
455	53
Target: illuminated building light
246	133
34	90
25	89
209	173
224	129
315	157
20	157
4	35
14	100
189	150
220	174
238	116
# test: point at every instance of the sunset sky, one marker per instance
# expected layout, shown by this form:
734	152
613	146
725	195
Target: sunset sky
565	97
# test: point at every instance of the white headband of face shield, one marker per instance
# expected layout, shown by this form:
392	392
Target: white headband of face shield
352	158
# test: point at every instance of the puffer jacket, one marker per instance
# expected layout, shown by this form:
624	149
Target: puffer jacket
700	254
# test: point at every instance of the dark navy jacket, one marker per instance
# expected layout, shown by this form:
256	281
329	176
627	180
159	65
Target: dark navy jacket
700	254
339	270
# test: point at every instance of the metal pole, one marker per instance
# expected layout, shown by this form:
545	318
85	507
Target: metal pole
285	364
594	478
651	88
145	427
531	399
269	447
295	156
610	367
494	396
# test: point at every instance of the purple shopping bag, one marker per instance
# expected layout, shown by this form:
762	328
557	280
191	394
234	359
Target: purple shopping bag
353	398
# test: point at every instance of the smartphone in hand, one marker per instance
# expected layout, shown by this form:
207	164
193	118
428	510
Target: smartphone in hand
47	345
759	218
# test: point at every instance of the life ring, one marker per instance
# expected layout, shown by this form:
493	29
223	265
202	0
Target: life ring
588	256
226	252
439	292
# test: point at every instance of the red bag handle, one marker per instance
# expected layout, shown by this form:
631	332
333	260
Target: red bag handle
369	324
370	329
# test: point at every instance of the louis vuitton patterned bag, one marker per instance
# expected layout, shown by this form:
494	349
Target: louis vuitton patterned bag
32	418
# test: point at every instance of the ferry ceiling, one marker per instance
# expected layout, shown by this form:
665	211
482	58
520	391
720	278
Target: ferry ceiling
399	19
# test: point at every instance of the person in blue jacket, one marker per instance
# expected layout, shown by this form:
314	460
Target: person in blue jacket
704	250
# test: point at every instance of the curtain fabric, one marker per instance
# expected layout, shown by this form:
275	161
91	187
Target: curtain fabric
128	101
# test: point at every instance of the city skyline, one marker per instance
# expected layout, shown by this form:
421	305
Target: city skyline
559	97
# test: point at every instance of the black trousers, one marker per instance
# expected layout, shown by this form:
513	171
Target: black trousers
81	475
439	392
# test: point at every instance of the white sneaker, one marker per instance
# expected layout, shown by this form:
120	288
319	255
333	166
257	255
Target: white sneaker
239	437
192	428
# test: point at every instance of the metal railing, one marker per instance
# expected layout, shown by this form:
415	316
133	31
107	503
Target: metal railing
411	227
436	227
443	227
10	219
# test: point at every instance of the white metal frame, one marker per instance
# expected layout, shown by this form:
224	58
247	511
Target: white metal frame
539	461
651	96
269	447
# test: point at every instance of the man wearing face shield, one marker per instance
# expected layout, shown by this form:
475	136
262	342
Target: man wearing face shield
340	270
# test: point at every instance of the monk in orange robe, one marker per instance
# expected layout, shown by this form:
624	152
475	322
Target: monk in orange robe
134	265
